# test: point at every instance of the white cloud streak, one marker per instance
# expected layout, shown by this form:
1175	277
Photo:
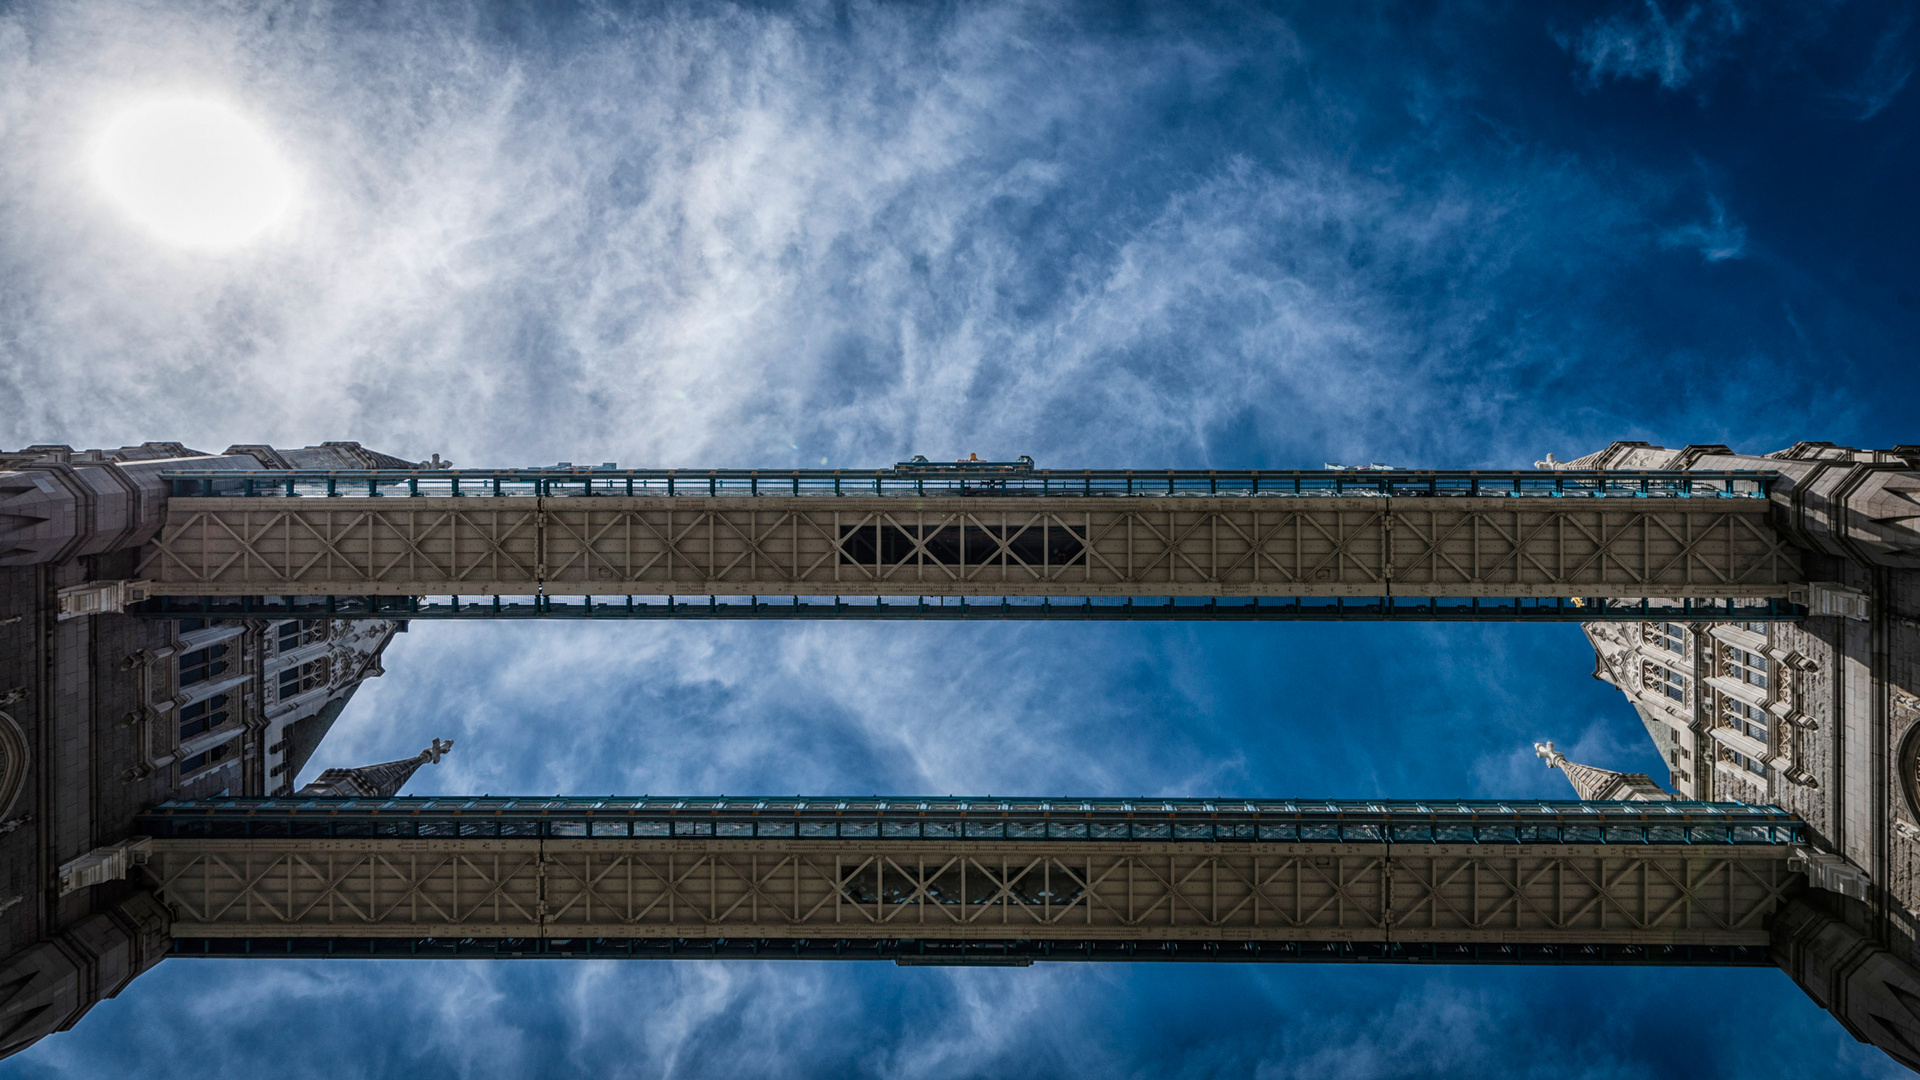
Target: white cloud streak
1671	44
742	236
727	236
766	709
1886	74
1717	239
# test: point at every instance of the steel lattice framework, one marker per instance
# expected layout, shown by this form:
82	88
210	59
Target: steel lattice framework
981	546
952	872
721	889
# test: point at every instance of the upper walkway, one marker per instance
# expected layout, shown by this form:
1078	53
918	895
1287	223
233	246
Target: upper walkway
1399	821
970	530
919	479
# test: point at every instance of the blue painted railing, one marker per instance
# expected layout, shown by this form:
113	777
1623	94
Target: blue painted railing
1398	821
985	479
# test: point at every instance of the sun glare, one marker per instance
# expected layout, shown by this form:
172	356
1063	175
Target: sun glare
194	173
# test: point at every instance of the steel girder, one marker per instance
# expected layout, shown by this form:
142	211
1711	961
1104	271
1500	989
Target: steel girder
985	952
1036	546
977	609
954	891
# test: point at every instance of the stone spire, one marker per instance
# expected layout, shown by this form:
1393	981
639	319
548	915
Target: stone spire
1601	784
375	781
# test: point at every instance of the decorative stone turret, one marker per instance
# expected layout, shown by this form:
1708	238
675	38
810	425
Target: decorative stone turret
1602	784
1861	505
58	504
376	781
1874	993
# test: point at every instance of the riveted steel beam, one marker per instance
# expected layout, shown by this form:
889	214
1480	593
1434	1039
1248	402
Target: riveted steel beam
1035	546
957	871
959	890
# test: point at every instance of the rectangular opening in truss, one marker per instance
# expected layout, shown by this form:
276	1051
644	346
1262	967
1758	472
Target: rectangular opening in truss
1039	544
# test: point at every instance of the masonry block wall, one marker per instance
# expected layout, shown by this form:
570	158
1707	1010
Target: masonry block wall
104	715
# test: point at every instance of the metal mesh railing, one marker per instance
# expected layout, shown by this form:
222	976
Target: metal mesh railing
996	481
947	608
1198	820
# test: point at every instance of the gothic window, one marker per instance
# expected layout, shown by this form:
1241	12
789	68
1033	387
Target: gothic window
304	677
1735	757
1748	720
297	632
1748	667
203	716
1669	636
202	664
1752	627
1664	680
203	759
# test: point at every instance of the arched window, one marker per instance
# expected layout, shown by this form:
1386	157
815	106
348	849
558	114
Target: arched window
1735	757
294	633
1661	679
1748	720
1671	637
203	716
205	758
301	678
1750	668
202	664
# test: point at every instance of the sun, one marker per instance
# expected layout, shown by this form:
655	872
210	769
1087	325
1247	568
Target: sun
195	173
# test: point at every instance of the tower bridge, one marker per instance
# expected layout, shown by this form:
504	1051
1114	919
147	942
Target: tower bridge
178	631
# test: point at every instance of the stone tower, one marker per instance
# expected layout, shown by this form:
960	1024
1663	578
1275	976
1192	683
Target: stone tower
1820	716
103	715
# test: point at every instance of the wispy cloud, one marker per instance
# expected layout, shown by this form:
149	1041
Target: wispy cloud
931	709
744	235
458	1020
706	234
1669	43
1717	239
1886	73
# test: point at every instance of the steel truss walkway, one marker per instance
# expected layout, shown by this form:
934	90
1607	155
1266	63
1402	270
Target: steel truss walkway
969	609
920	541
993	881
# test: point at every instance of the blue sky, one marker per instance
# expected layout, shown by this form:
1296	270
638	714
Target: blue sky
1432	235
